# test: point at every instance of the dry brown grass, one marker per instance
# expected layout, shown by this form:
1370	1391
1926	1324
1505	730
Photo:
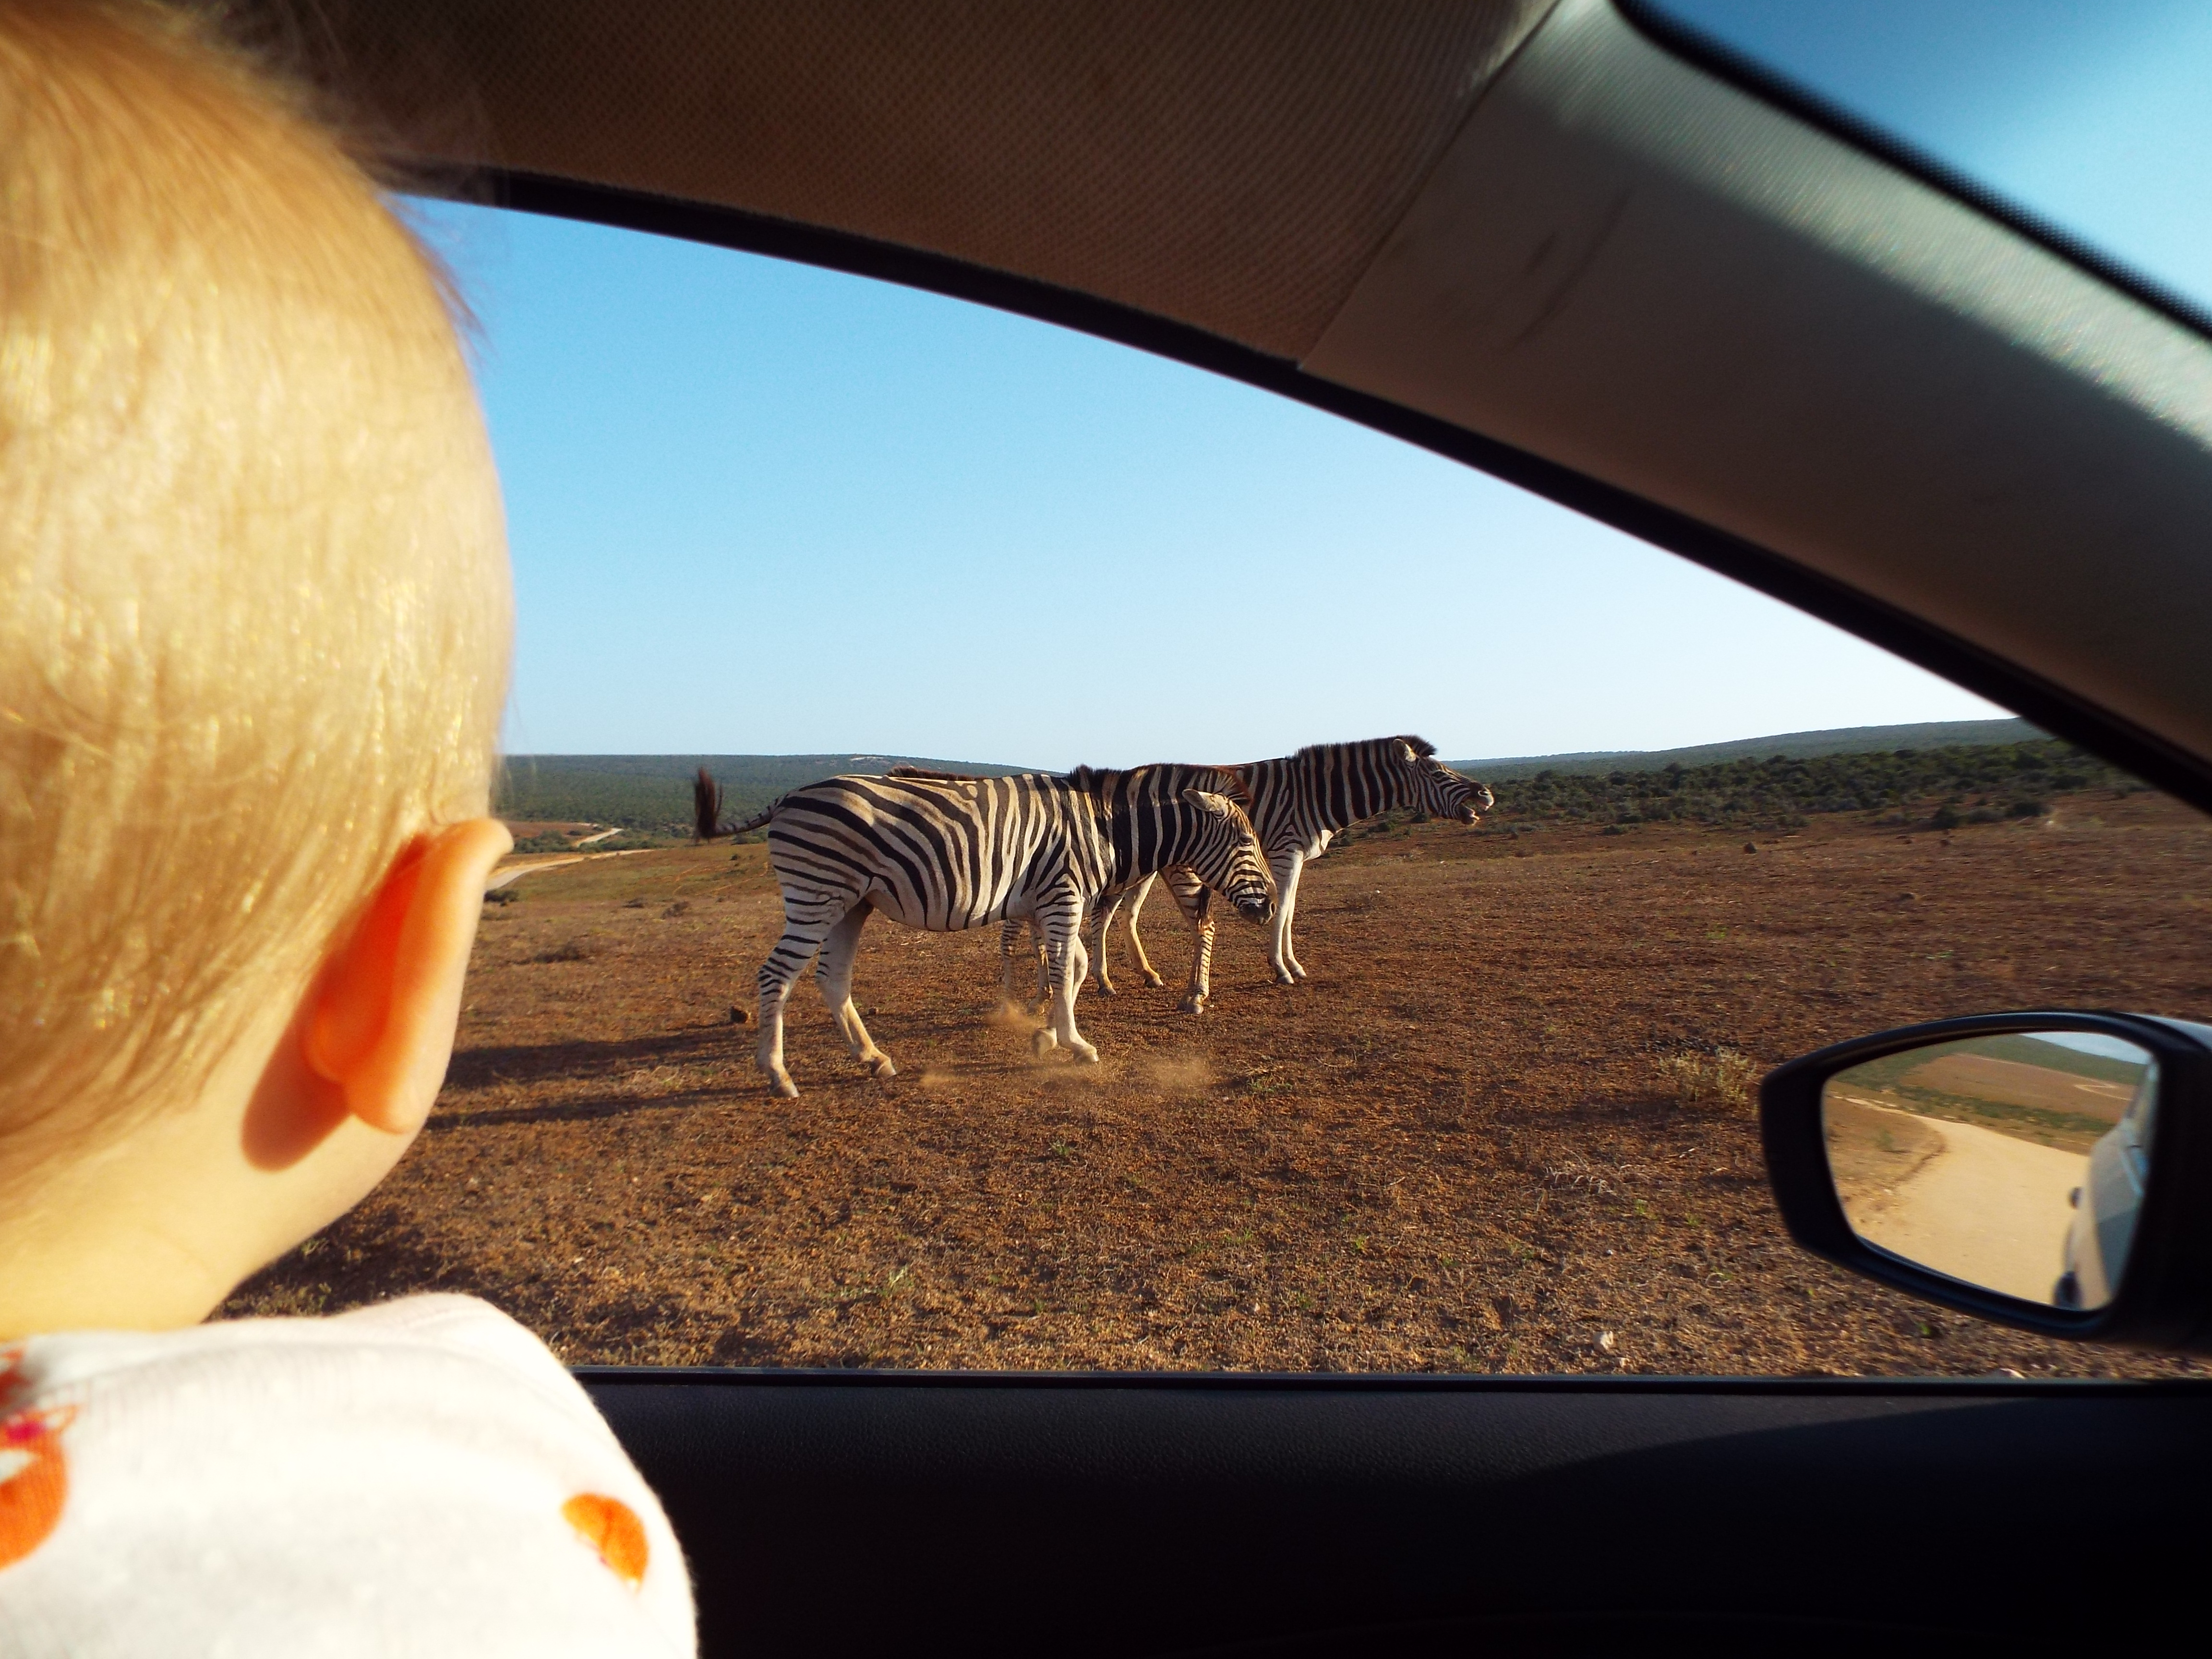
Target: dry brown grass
1451	1151
1722	1077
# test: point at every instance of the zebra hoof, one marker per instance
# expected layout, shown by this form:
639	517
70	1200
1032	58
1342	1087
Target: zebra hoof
1153	979
1043	1043
1104	989
1082	1053
881	1067
1285	978
1191	1005
783	1087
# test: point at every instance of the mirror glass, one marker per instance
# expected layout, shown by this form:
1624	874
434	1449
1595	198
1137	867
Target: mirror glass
2015	1162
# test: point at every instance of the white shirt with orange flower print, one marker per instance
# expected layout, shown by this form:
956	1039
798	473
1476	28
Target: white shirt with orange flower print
419	1478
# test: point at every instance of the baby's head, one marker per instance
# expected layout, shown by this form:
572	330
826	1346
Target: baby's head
254	609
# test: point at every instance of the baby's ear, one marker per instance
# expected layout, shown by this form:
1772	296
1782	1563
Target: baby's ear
380	1017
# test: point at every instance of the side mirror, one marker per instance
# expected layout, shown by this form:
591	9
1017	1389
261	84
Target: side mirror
2048	1170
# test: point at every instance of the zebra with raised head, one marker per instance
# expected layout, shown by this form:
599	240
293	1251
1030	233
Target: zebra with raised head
947	854
1298	803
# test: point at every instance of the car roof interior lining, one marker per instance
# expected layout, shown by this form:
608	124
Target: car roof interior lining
1232	166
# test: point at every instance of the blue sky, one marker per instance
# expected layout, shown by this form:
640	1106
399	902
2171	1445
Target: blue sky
758	508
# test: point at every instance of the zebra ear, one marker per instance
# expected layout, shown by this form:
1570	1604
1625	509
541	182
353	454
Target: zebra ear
1218	806
1406	753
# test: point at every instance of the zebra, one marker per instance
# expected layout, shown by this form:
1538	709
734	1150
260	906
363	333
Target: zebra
1296	804
947	854
1216	780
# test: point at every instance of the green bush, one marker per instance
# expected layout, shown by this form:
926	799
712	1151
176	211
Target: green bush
1899	788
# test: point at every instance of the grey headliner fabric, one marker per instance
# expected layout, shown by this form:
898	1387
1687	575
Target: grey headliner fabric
1231	165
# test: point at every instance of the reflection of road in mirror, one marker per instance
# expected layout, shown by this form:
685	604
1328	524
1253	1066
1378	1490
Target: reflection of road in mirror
1971	1202
1970	1158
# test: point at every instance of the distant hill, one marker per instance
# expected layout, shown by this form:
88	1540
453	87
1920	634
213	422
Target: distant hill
653	792
1789	745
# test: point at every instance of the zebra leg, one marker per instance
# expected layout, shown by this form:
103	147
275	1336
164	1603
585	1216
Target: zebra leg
1010	931
1290	954
1286	868
1104	922
1144	891
1195	903
1062	923
807	923
833	972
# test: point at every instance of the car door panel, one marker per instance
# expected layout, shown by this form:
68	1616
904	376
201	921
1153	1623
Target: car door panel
841	1513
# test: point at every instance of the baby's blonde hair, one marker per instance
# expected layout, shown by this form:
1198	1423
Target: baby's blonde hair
254	605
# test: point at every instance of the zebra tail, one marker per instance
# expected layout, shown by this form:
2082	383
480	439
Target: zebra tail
706	811
706	806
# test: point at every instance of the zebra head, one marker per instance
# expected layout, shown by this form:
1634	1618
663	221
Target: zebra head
1224	853
1440	791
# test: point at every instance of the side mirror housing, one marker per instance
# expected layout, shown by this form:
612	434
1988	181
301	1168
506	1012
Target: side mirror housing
2046	1169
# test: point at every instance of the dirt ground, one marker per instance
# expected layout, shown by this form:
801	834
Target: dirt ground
1465	1146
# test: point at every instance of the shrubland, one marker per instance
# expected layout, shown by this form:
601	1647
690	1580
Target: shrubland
1937	788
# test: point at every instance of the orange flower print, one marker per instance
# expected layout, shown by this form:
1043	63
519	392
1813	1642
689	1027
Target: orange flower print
611	1527
34	1479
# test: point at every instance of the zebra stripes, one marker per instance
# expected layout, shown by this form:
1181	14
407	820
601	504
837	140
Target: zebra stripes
1296	804
947	854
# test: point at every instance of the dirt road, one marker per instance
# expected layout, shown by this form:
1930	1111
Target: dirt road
508	874
1988	1208
533	865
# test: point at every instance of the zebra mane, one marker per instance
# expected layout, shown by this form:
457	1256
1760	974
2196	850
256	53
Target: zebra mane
1420	746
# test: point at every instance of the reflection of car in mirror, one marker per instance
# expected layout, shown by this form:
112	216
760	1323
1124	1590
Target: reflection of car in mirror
1968	1157
2106	1202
